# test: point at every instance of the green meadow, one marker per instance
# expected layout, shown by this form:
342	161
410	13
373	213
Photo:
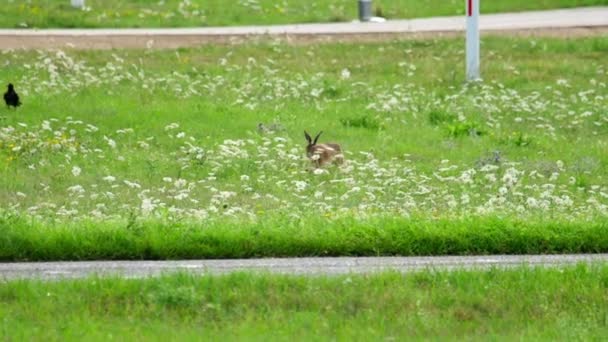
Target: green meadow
160	142
200	153
196	13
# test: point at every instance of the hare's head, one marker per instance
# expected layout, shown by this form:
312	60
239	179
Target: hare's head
321	154
310	148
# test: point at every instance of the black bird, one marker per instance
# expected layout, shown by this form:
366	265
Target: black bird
11	98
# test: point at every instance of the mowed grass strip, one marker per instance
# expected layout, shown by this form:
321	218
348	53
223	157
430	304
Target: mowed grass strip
152	13
24	241
568	303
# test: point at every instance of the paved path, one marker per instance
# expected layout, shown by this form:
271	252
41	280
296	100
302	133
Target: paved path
586	20
329	266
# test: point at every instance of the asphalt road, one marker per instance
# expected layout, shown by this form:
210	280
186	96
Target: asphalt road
562	22
303	266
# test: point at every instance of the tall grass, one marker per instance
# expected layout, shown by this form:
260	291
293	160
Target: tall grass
280	237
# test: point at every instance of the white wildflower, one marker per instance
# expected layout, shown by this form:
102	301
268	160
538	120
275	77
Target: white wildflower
147	206
110	142
510	177
300	185
180	183
132	185
345	74
171	126
181	196
109	179
76	189
467	176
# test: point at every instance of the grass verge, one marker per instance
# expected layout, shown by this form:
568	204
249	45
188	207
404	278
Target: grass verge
21	240
152	13
523	303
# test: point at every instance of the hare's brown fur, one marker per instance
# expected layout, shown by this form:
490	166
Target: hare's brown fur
322	154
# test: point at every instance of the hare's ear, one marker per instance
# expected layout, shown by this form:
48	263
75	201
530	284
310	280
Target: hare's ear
317	137
308	138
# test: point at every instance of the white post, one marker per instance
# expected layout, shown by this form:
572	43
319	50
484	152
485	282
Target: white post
472	9
77	3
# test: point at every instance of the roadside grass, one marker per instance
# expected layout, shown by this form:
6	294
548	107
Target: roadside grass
112	140
279	237
192	13
568	303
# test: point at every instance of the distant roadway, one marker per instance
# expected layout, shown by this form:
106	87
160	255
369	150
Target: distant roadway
573	22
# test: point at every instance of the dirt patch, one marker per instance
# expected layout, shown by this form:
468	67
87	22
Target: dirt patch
172	41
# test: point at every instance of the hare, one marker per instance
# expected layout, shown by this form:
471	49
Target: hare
322	154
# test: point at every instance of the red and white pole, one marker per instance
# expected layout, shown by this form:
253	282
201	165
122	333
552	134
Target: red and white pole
472	44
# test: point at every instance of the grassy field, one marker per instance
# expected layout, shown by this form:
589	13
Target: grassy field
559	304
174	13
123	138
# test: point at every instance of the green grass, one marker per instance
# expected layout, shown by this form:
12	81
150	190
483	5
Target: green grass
152	13
109	140
523	303
23	241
